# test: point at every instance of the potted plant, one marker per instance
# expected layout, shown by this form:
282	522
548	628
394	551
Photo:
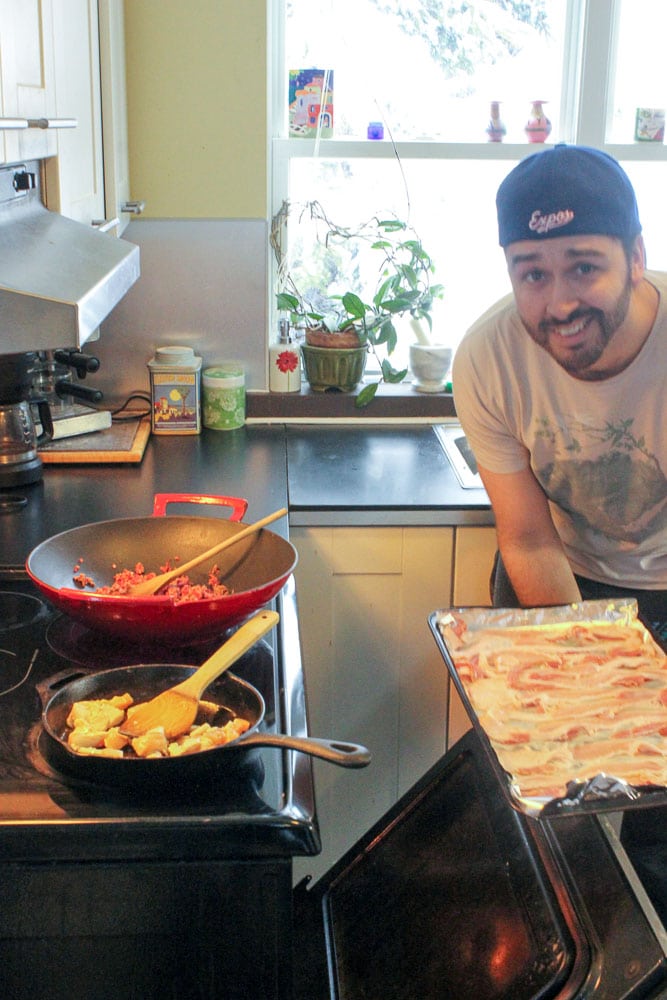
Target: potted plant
341	330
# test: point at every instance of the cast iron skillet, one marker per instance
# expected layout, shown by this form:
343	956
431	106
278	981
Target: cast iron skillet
255	570
235	696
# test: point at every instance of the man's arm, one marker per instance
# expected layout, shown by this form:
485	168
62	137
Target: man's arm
529	544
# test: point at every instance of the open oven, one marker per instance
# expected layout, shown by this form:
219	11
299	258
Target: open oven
462	892
455	894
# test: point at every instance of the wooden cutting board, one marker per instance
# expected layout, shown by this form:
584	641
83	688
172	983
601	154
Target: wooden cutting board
122	442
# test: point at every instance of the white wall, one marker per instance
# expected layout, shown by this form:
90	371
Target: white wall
203	283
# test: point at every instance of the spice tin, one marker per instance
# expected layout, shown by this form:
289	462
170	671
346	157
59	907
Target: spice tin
224	397
175	374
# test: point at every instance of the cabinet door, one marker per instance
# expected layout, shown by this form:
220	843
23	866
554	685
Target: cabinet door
26	77
373	672
475	549
114	111
74	182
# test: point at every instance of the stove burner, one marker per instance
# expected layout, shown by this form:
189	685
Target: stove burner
88	648
18	610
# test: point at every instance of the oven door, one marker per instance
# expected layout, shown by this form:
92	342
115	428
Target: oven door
455	894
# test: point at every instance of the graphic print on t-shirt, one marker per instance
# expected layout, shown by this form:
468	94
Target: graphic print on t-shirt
605	477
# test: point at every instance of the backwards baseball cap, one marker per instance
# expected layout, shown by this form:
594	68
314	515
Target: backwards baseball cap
566	191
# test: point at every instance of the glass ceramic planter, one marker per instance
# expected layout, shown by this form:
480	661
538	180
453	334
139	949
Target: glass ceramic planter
334	367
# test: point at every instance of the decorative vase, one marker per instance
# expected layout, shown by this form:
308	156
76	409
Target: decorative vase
496	128
538	126
339	368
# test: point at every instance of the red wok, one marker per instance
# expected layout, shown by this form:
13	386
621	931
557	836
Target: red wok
254	570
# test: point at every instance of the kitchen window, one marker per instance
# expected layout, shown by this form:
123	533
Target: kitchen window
428	73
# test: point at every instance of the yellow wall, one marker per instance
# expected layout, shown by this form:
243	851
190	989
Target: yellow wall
197	117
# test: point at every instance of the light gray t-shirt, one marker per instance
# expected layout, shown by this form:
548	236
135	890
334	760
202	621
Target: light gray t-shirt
598	449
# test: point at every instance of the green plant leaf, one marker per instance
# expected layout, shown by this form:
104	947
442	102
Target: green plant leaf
391	374
367	395
287	302
391	225
353	305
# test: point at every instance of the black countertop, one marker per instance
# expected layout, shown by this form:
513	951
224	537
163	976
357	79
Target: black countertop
342	474
382	474
248	463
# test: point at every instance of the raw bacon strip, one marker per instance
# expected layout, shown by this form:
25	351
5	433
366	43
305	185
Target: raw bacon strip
566	701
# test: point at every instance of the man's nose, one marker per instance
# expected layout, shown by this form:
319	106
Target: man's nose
562	301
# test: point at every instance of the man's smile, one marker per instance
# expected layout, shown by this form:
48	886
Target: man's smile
571	331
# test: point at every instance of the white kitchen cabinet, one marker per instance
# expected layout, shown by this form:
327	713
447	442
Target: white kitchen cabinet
473	561
27	87
374	674
114	111
74	179
66	59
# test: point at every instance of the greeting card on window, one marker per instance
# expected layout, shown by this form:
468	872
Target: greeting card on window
310	103
650	125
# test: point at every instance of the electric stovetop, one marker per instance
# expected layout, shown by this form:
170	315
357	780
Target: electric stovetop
264	805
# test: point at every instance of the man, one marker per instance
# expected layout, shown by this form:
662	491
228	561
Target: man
561	389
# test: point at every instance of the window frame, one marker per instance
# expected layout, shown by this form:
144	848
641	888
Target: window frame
588	69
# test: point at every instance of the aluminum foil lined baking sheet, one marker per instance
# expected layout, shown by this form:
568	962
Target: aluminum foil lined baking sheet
571	701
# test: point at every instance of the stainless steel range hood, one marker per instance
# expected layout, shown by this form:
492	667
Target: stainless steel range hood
58	278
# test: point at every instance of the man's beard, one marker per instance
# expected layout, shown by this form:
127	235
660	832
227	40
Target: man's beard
579	360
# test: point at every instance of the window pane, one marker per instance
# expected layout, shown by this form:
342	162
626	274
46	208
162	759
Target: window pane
429	70
640	79
648	180
457	229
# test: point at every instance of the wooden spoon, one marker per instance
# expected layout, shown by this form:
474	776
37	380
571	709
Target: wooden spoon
149	587
176	709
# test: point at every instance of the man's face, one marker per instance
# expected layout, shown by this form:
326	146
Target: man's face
573	294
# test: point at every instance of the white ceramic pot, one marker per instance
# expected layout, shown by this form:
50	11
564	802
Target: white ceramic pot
430	364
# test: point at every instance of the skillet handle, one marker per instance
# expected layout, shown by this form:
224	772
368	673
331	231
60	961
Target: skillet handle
160	501
45	689
335	751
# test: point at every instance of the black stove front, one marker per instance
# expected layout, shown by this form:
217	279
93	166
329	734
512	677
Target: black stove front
182	892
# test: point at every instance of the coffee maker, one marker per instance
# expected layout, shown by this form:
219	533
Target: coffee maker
20	463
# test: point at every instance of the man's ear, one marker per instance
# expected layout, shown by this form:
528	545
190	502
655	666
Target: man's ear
638	260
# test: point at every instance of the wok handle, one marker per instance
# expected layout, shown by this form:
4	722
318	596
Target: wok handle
335	751
238	505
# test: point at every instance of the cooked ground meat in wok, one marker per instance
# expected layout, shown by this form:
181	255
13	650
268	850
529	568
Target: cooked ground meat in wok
179	590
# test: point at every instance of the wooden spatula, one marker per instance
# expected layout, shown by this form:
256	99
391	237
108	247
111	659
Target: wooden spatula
176	709
149	587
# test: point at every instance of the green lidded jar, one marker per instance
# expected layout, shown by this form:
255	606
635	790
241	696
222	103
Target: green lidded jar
223	391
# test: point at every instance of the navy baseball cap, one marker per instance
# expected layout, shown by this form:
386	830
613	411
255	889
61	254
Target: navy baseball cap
566	191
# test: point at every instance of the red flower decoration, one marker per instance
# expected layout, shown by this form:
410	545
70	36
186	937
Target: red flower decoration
287	361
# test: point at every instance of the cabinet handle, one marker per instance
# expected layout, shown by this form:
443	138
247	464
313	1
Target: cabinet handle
133	207
104	225
12	123
52	123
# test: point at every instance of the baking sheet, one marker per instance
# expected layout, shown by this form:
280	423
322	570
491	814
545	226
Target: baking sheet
571	702
124	441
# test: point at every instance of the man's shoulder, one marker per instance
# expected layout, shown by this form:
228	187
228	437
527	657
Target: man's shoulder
500	318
